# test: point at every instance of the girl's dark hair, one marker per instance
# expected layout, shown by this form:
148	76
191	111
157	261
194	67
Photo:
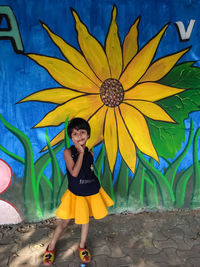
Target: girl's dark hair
78	123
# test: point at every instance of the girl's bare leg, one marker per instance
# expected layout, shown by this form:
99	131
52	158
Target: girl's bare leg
59	230
84	233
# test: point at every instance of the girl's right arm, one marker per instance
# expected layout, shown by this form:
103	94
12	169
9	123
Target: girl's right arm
73	168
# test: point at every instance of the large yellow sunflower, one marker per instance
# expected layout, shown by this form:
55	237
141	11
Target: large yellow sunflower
114	88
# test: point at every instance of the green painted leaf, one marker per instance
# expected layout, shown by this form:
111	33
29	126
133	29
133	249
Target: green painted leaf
167	137
195	202
164	187
151	192
56	176
183	75
121	186
106	181
171	170
136	188
31	200
99	162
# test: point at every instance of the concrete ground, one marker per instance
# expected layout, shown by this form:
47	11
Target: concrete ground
126	240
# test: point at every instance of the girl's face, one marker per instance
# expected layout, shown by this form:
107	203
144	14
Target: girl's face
79	136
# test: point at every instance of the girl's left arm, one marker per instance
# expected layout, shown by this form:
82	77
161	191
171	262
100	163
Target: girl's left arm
92	153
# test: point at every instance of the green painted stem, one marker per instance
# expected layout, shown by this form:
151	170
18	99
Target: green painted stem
151	192
136	188
67	145
121	186
195	202
171	170
56	177
106	180
12	155
163	184
181	185
31	199
99	162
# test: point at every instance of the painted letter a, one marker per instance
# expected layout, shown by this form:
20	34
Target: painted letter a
12	30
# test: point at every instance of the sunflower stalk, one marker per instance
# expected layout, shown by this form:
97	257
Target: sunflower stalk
151	191
56	176
195	202
181	186
106	180
171	170
136	188
163	184
121	187
99	162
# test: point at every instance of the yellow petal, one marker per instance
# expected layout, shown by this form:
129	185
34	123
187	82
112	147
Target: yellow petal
57	139
73	56
113	47
110	137
139	64
83	106
151	91
92	50
162	66
96	124
54	95
126	144
138	129
130	45
65	74
150	110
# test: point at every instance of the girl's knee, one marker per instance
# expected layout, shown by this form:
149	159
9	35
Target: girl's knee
64	223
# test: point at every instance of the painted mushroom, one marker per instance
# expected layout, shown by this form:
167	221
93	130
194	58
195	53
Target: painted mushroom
8	212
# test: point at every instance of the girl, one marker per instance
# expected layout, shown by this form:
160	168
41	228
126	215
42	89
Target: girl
84	196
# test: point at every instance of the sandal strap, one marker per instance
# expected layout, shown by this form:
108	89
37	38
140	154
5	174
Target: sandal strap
84	254
49	256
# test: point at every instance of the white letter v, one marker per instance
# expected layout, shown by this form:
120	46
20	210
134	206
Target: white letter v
185	34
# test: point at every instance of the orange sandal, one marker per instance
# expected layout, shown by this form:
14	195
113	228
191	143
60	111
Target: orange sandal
84	254
49	257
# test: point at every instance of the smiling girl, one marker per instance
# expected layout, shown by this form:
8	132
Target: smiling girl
84	196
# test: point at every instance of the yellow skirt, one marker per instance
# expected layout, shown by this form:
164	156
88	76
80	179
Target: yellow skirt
80	208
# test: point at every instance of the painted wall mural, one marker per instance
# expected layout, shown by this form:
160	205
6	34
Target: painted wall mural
132	74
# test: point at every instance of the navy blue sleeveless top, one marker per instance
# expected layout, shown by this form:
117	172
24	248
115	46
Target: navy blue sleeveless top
86	183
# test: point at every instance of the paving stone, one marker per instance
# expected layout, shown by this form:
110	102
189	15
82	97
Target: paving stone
24	260
194	251
194	261
102	250
25	235
120	261
158	235
65	244
193	224
132	240
24	250
8	248
101	261
172	256
116	251
149	247
166	255
191	241
8	240
96	242
160	244
67	255
4	258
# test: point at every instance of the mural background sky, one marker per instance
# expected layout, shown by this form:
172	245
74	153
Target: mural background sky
20	76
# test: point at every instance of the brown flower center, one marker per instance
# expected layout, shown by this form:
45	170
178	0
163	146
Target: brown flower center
111	92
